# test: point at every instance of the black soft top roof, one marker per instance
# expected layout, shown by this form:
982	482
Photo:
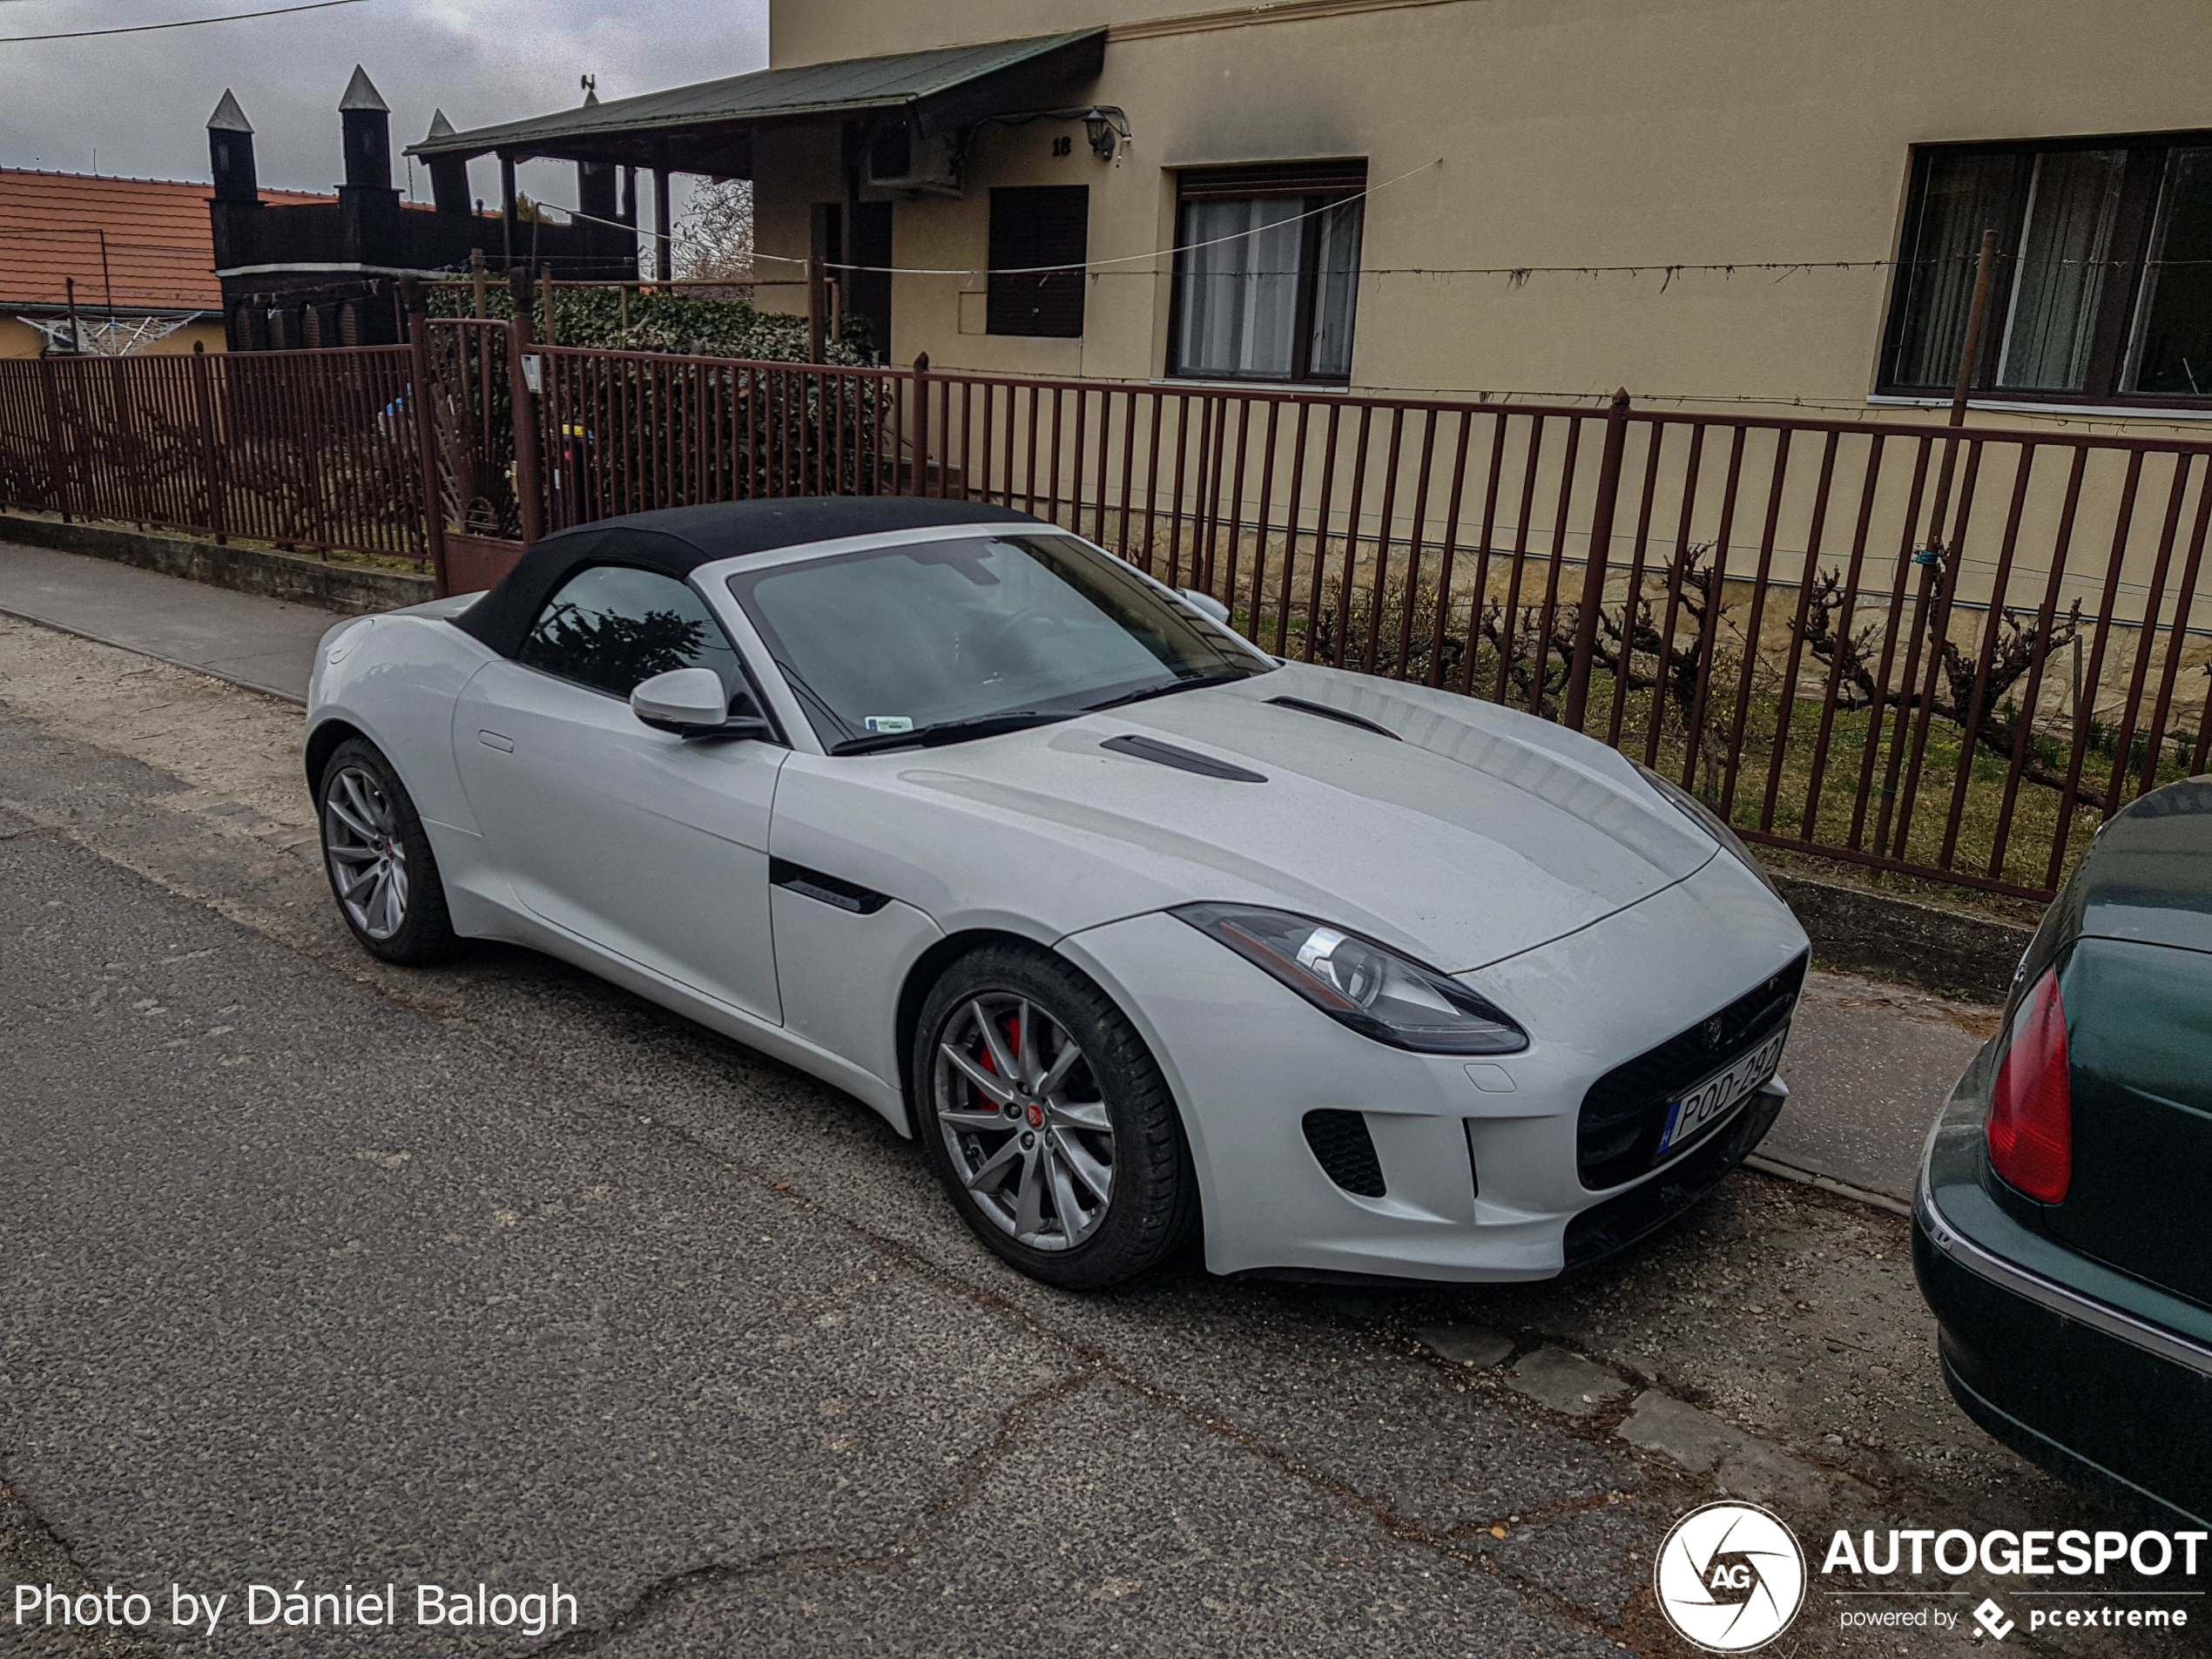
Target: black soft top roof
677	539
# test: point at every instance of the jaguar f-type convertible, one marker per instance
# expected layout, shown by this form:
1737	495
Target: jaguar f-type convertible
1146	935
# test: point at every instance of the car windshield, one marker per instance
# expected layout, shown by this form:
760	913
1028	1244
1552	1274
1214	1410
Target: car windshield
954	639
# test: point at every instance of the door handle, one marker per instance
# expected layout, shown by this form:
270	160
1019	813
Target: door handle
494	740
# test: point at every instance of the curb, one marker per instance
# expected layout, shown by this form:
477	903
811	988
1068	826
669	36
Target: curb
282	695
1782	1171
349	589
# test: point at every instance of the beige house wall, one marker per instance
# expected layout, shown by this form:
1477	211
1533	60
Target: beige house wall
20	340
1518	134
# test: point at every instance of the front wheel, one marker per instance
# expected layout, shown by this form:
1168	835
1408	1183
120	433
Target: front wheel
1048	1121
381	870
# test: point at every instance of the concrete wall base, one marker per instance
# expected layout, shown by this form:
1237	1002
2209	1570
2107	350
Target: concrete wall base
1947	951
349	589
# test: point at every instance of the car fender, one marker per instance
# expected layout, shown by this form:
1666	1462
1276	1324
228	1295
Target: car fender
395	679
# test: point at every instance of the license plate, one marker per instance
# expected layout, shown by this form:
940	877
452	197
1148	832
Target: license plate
1723	1092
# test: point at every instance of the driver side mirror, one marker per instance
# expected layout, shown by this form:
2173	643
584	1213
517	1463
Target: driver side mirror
690	703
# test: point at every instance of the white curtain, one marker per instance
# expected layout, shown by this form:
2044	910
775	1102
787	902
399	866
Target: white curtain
1337	290
2072	202
1964	196
1239	301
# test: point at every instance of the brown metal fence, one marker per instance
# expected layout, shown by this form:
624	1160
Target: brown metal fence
305	449
1950	652
1945	651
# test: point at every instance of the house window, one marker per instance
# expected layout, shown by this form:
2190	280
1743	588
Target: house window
2103	288
1267	272
1034	227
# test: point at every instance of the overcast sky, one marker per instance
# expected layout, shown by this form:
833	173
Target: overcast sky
142	101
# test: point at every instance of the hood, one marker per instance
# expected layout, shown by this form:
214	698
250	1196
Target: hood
1479	833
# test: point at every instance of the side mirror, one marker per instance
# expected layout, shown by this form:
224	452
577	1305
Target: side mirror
1206	603
692	703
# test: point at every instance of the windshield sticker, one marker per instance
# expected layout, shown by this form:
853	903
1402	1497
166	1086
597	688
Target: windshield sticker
888	723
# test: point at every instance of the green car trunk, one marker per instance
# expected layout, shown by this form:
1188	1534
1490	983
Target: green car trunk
2140	1027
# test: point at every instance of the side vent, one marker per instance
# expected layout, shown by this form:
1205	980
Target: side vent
1346	1151
829	889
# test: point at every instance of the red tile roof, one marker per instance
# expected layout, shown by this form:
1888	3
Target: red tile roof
160	251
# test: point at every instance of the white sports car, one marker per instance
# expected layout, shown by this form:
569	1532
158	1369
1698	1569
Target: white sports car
1144	933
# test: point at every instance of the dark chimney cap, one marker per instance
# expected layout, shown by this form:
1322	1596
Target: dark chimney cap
440	127
228	118
362	94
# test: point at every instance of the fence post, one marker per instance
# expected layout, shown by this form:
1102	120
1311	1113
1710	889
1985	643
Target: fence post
62	461
211	448
814	318
1585	616
519	346
416	306
922	424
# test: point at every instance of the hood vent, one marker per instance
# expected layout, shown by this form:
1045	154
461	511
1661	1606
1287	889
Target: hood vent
1167	754
1343	717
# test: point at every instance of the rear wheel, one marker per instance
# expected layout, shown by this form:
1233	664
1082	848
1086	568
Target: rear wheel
381	869
1048	1121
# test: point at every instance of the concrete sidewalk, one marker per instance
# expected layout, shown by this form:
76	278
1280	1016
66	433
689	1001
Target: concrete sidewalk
1869	1063
264	644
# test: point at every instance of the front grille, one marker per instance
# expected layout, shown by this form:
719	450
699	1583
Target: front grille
1606	1227
1346	1151
1625	1111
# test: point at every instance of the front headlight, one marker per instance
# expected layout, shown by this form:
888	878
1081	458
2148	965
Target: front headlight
1710	821
1376	992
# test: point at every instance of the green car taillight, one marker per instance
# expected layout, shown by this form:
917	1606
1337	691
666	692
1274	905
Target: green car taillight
2031	1107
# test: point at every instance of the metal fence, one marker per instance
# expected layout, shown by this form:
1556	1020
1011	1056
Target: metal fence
305	449
1945	651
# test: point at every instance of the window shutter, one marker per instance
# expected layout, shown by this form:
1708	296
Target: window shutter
1036	225
1241	184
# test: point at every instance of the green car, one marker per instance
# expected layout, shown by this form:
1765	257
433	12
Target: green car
2063	1219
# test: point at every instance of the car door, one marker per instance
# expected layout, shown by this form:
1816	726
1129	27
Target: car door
646	844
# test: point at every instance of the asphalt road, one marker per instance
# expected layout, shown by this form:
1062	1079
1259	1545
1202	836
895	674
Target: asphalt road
316	1271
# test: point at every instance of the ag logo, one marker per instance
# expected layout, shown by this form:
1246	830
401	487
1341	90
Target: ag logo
1730	1577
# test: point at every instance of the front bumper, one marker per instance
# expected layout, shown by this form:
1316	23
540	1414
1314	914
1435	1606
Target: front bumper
2083	1371
1481	1172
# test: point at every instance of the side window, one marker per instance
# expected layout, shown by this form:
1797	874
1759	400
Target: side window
612	626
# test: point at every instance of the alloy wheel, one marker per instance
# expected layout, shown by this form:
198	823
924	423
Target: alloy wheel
1025	1121
361	836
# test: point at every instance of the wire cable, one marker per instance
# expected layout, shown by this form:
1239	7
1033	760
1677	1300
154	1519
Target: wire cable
181	23
1100	266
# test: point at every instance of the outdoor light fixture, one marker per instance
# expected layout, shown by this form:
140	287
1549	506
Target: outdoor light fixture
1106	126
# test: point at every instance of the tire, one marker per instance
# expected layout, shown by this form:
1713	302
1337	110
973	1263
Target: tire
373	848
1023	1164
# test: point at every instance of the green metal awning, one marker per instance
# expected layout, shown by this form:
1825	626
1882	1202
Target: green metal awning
708	127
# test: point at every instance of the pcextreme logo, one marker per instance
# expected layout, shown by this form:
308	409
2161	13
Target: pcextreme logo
1730	1577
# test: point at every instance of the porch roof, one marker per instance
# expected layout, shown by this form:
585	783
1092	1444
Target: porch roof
707	127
